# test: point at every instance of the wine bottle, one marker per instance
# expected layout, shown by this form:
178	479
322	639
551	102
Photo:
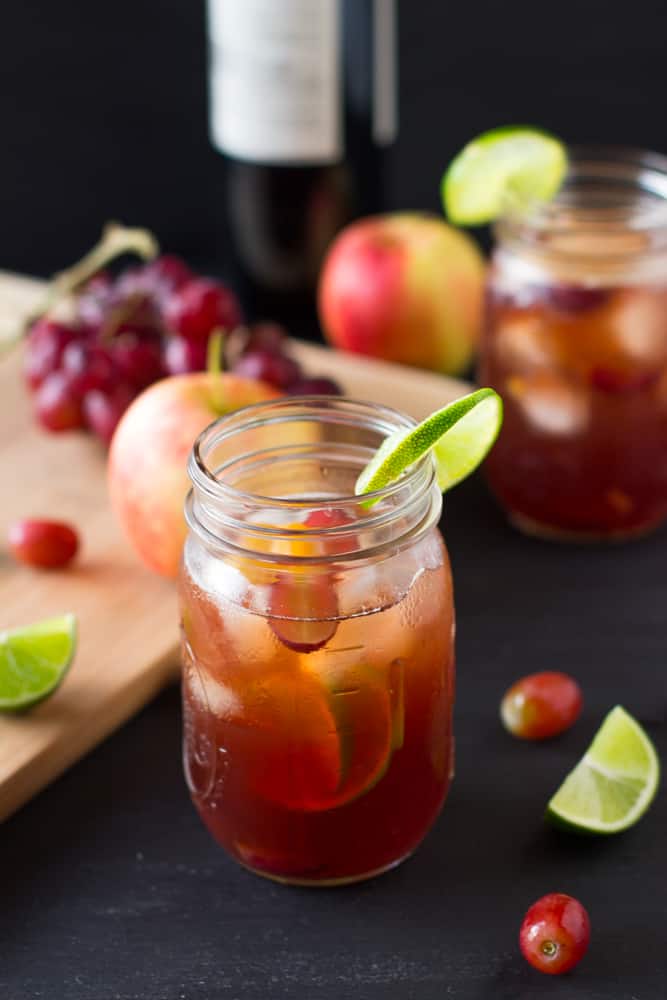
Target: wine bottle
302	105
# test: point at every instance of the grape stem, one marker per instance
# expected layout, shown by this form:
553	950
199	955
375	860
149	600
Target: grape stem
116	240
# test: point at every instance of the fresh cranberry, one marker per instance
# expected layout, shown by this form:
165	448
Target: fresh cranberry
278	370
183	356
555	933
139	360
57	404
45	544
89	366
541	705
103	410
201	306
575	298
45	347
317	386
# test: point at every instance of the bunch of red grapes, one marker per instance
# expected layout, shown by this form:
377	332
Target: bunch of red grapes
152	320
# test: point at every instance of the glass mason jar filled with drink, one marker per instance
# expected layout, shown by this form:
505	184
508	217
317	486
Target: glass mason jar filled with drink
576	344
318	664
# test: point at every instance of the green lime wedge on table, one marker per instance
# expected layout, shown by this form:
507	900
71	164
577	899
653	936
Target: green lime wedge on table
505	168
459	435
34	660
613	784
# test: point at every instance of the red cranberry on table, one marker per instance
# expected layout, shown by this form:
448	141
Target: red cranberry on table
555	933
42	543
541	705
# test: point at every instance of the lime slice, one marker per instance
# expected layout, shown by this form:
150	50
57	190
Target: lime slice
459	435
613	784
505	168
34	660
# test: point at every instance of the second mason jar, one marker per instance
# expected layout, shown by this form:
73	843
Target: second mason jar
318	666
576	344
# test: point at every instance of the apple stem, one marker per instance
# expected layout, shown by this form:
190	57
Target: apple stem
215	365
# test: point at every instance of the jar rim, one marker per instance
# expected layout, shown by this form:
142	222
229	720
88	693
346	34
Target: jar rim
212	503
608	191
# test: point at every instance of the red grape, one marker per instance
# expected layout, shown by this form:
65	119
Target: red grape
201	306
316	386
327	517
46	544
158	278
555	933
89	366
139	361
45	346
332	518
94	300
167	272
541	705
103	410
306	611
260	336
278	370
57	404
182	356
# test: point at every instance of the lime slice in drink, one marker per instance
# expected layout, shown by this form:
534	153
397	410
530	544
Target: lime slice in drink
613	784
504	169
34	660
459	435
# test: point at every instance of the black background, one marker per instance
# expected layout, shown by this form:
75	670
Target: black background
103	106
111	888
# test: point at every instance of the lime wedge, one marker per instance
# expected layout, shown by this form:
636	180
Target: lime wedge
459	435
34	660
613	784
504	169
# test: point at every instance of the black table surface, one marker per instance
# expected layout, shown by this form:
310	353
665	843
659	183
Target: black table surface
113	890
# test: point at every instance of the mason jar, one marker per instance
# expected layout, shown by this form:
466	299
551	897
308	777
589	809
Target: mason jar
317	643
576	344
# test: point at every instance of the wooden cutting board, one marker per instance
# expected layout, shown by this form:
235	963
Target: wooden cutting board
127	617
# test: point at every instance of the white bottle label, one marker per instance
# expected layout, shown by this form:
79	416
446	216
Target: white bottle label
275	80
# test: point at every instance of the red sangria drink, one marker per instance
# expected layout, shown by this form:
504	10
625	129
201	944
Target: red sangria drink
576	344
318	664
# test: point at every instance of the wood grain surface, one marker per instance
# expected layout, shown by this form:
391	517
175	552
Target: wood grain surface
127	617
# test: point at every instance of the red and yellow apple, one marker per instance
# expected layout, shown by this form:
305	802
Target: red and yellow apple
148	481
405	287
